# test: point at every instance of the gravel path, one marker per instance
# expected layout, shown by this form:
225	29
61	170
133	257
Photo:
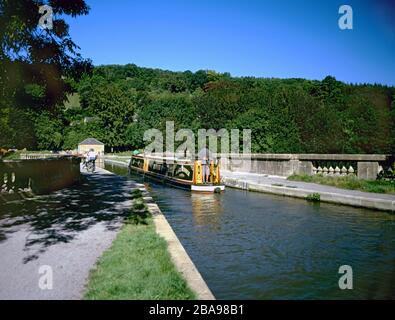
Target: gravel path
67	231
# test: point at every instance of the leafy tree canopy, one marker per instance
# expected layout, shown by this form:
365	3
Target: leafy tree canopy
36	65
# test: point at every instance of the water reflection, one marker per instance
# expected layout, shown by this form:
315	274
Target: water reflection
206	209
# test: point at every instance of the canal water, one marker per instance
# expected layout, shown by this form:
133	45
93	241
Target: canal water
257	246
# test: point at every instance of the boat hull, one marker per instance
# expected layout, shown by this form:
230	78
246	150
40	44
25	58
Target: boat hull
207	188
179	183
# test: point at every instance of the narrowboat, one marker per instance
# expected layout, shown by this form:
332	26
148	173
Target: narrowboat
185	174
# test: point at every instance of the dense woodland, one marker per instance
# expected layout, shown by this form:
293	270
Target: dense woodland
116	104
51	98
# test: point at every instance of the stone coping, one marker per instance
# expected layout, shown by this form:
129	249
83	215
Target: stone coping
295	156
178	254
330	197
309	156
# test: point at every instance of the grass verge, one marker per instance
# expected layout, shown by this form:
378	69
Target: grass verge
349	182
138	265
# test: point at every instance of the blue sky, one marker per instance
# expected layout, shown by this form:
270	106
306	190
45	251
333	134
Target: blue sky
281	38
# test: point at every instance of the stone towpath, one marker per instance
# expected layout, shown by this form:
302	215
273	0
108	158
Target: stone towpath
66	231
281	186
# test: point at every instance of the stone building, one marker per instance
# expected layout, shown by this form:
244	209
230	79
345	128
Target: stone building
91	143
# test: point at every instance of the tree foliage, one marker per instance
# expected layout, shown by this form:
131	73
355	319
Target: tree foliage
35	63
117	104
285	115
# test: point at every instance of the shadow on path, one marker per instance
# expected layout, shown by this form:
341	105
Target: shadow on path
61	216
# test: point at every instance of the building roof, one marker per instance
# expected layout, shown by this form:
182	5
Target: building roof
91	141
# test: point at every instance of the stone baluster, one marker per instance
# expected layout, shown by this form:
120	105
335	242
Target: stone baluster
351	171
337	171
319	170
3	183
331	171
13	187
314	170
344	171
325	170
8	182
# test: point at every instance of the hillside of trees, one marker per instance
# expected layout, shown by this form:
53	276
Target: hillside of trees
116	104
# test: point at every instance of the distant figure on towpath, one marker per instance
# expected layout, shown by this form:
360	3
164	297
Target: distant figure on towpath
91	156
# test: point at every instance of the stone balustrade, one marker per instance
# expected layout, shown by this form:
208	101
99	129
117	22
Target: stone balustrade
334	171
30	156
360	165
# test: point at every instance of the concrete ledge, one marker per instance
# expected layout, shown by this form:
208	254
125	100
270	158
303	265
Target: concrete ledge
307	156
343	157
349	200
178	254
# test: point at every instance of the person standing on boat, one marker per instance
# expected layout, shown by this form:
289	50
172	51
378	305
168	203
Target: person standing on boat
205	156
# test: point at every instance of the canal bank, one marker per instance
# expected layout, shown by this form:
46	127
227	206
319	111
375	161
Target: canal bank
283	187
179	256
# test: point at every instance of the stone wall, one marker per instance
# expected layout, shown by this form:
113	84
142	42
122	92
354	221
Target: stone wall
367	166
38	176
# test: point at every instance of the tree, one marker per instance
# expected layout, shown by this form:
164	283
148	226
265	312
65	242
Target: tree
48	132
219	104
73	135
30	55
35	63
329	90
114	110
16	129
270	120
